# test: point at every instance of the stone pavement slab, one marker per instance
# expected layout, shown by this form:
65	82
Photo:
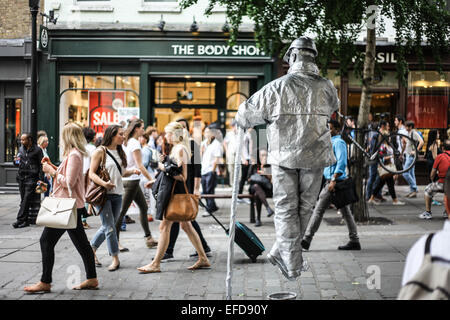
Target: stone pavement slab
333	274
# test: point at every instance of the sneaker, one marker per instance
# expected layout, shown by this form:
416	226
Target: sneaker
167	257
380	199
123	227
207	251
425	215
128	220
398	203
412	195
247	201
258	223
351	245
205	214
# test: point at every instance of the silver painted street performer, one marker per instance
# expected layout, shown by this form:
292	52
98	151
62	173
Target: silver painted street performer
296	108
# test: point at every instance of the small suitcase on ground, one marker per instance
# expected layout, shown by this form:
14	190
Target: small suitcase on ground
245	238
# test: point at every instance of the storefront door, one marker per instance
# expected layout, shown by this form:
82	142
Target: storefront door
383	105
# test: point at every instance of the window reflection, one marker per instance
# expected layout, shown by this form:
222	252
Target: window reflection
13	108
189	92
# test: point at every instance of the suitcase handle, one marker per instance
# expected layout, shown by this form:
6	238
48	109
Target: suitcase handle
220	223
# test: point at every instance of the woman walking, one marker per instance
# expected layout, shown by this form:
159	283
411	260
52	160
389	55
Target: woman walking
68	182
387	154
261	186
115	164
133	191
178	137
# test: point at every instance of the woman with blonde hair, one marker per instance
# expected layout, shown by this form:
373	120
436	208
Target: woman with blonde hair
178	137
68	183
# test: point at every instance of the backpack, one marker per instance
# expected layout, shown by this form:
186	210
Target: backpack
431	282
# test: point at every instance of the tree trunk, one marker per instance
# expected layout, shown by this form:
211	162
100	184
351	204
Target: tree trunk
358	170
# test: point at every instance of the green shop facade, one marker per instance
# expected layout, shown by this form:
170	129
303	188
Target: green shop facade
96	78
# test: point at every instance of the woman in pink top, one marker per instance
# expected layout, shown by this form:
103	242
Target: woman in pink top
68	183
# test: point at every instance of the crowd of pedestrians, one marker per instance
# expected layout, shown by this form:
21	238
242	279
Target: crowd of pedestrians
134	156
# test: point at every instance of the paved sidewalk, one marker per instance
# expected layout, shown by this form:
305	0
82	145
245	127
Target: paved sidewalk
333	274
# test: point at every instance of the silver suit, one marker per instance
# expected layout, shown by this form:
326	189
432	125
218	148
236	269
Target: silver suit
295	108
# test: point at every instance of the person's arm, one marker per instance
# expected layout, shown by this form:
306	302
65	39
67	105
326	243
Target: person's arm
137	155
184	157
96	159
340	153
40	156
70	180
419	147
433	174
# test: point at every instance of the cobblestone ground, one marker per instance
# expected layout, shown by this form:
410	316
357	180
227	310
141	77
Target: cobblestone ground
333	274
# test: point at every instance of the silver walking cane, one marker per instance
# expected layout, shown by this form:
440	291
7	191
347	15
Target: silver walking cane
237	169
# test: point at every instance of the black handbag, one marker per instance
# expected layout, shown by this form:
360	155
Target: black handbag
261	180
344	193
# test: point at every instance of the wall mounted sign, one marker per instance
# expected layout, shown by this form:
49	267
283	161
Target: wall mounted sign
145	48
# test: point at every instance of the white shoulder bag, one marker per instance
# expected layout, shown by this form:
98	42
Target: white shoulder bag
59	213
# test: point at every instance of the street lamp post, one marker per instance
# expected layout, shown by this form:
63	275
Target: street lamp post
34	9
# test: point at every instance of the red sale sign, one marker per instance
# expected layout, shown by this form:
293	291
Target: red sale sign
103	107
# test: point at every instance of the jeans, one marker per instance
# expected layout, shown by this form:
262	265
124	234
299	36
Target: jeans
373	181
48	241
209	183
319	210
410	175
109	215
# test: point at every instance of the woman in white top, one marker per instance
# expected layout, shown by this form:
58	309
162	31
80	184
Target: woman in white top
133	192
115	164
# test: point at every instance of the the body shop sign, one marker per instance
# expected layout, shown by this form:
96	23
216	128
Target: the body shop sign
103	107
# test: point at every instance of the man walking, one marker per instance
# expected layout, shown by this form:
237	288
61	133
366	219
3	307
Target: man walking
410	175
30	172
333	174
210	160
440	166
295	108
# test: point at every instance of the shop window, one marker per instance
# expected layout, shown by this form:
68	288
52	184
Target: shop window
98	101
388	80
98	82
383	105
238	91
189	92
13	108
132	83
428	99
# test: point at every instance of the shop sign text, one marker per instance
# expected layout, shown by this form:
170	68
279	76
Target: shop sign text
215	50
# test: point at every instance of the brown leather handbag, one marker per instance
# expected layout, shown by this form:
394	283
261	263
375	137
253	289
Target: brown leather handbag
182	207
95	194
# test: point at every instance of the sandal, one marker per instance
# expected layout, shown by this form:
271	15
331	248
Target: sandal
39	287
144	270
87	286
200	265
